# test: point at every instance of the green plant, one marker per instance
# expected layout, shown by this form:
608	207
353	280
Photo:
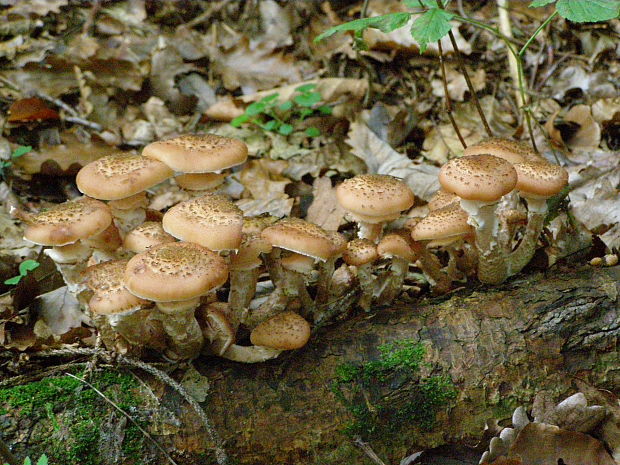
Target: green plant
18	152
42	460
282	117
24	268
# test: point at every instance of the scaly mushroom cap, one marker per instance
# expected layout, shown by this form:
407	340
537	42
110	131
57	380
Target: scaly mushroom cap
174	272
147	235
540	179
444	223
374	195
359	252
442	199
68	222
212	221
111	296
248	255
193	153
339	243
396	244
285	331
138	200
298	263
300	236
479	177
121	175
200	181
510	150
256	224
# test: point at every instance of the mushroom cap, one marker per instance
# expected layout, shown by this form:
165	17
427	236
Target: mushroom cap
359	252
374	219
285	331
442	199
540	179
256	224
446	222
68	222
175	271
109	239
138	200
478	177
121	175
111	296
198	153
200	181
248	255
374	195
298	263
300	236
510	150
145	236
339	243
211	220
396	244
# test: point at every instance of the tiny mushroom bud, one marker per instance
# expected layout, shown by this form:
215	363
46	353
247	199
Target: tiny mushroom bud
373	199
361	253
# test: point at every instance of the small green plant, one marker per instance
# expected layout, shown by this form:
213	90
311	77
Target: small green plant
25	267
18	152
42	461
272	115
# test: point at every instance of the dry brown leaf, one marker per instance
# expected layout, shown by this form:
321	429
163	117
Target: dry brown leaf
594	85
457	86
166	63
278	207
586	137
60	311
325	209
35	7
263	179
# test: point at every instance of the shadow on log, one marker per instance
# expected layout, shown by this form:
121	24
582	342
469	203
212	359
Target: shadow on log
543	331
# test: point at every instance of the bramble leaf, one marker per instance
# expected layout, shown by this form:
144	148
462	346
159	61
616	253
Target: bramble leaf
28	265
307	100
385	23
255	108
14	280
325	109
431	26
239	120
591	11
42	460
425	3
306	88
269	125
286	106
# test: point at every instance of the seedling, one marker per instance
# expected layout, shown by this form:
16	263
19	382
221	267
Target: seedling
271	115
18	152
42	460
24	268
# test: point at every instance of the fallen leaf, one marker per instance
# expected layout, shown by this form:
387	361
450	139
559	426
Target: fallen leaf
587	135
166	64
595	85
457	85
60	311
325	209
195	384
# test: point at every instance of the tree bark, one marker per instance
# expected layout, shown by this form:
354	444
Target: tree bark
499	345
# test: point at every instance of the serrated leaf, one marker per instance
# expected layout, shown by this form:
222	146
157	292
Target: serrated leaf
239	120
255	108
28	265
21	150
27	461
285	129
591	11
304	113
286	106
385	23
539	3
313	132
306	87
42	460
13	281
431	26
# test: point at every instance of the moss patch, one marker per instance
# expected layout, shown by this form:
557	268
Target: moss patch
387	395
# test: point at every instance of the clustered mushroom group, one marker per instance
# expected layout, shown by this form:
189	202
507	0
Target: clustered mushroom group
186	283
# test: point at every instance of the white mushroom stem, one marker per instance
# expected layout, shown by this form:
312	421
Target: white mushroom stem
370	231
181	326
394	285
70	262
431	267
276	303
326	271
492	265
242	290
250	354
294	285
537	210
367	285
138	327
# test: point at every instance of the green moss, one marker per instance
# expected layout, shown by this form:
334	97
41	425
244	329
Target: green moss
388	394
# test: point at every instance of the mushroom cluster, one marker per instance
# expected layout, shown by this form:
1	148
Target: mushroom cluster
206	279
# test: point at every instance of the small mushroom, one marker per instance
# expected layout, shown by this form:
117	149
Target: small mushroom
397	247
361	253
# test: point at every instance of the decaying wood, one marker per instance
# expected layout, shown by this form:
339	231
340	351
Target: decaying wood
500	345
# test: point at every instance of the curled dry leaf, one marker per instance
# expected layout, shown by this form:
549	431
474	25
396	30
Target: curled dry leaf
60	311
585	133
166	64
457	86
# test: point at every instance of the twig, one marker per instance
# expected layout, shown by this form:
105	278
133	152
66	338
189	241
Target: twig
447	95
6	454
368	450
506	28
89	124
142	430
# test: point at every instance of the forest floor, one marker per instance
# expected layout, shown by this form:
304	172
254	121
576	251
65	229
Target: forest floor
81	80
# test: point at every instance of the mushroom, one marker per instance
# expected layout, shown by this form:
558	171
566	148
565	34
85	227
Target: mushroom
326	268
198	184
480	181
397	247
373	199
175	275
217	327
361	253
442	199
123	178
145	236
509	150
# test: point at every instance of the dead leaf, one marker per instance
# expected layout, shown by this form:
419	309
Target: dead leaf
278	207
35	7
195	384
325	209
30	109
164	123
166	64
587	135
457	86
263	179
595	85
60	311
275	24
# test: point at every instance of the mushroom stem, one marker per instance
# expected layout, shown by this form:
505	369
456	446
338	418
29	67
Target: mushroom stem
272	263
393	287
242	290
250	354
70	261
295	286
326	271
276	303
370	231
139	328
128	220
181	326
452	269
367	285
527	247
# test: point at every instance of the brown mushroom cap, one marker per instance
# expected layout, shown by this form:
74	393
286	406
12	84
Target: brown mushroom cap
212	221
121	175
193	153
510	150
442	199
256	224
68	222
175	271
248	255
200	181
145	236
446	222
298	263
478	177
339	243
111	296
359	252
138	200
300	236
396	244
374	195
285	331
540	179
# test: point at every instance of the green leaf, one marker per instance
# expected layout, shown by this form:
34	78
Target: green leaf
286	106
27	461
270	98
239	120
385	23
13	281
425	3
28	265
255	108
42	460
306	88
269	125
325	109
539	3
307	100
431	26
285	129
590	11
21	150
304	113
313	132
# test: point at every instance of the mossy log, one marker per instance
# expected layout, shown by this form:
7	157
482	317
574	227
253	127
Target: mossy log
499	345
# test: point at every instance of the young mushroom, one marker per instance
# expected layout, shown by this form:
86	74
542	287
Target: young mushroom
397	247
372	200
361	253
175	275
